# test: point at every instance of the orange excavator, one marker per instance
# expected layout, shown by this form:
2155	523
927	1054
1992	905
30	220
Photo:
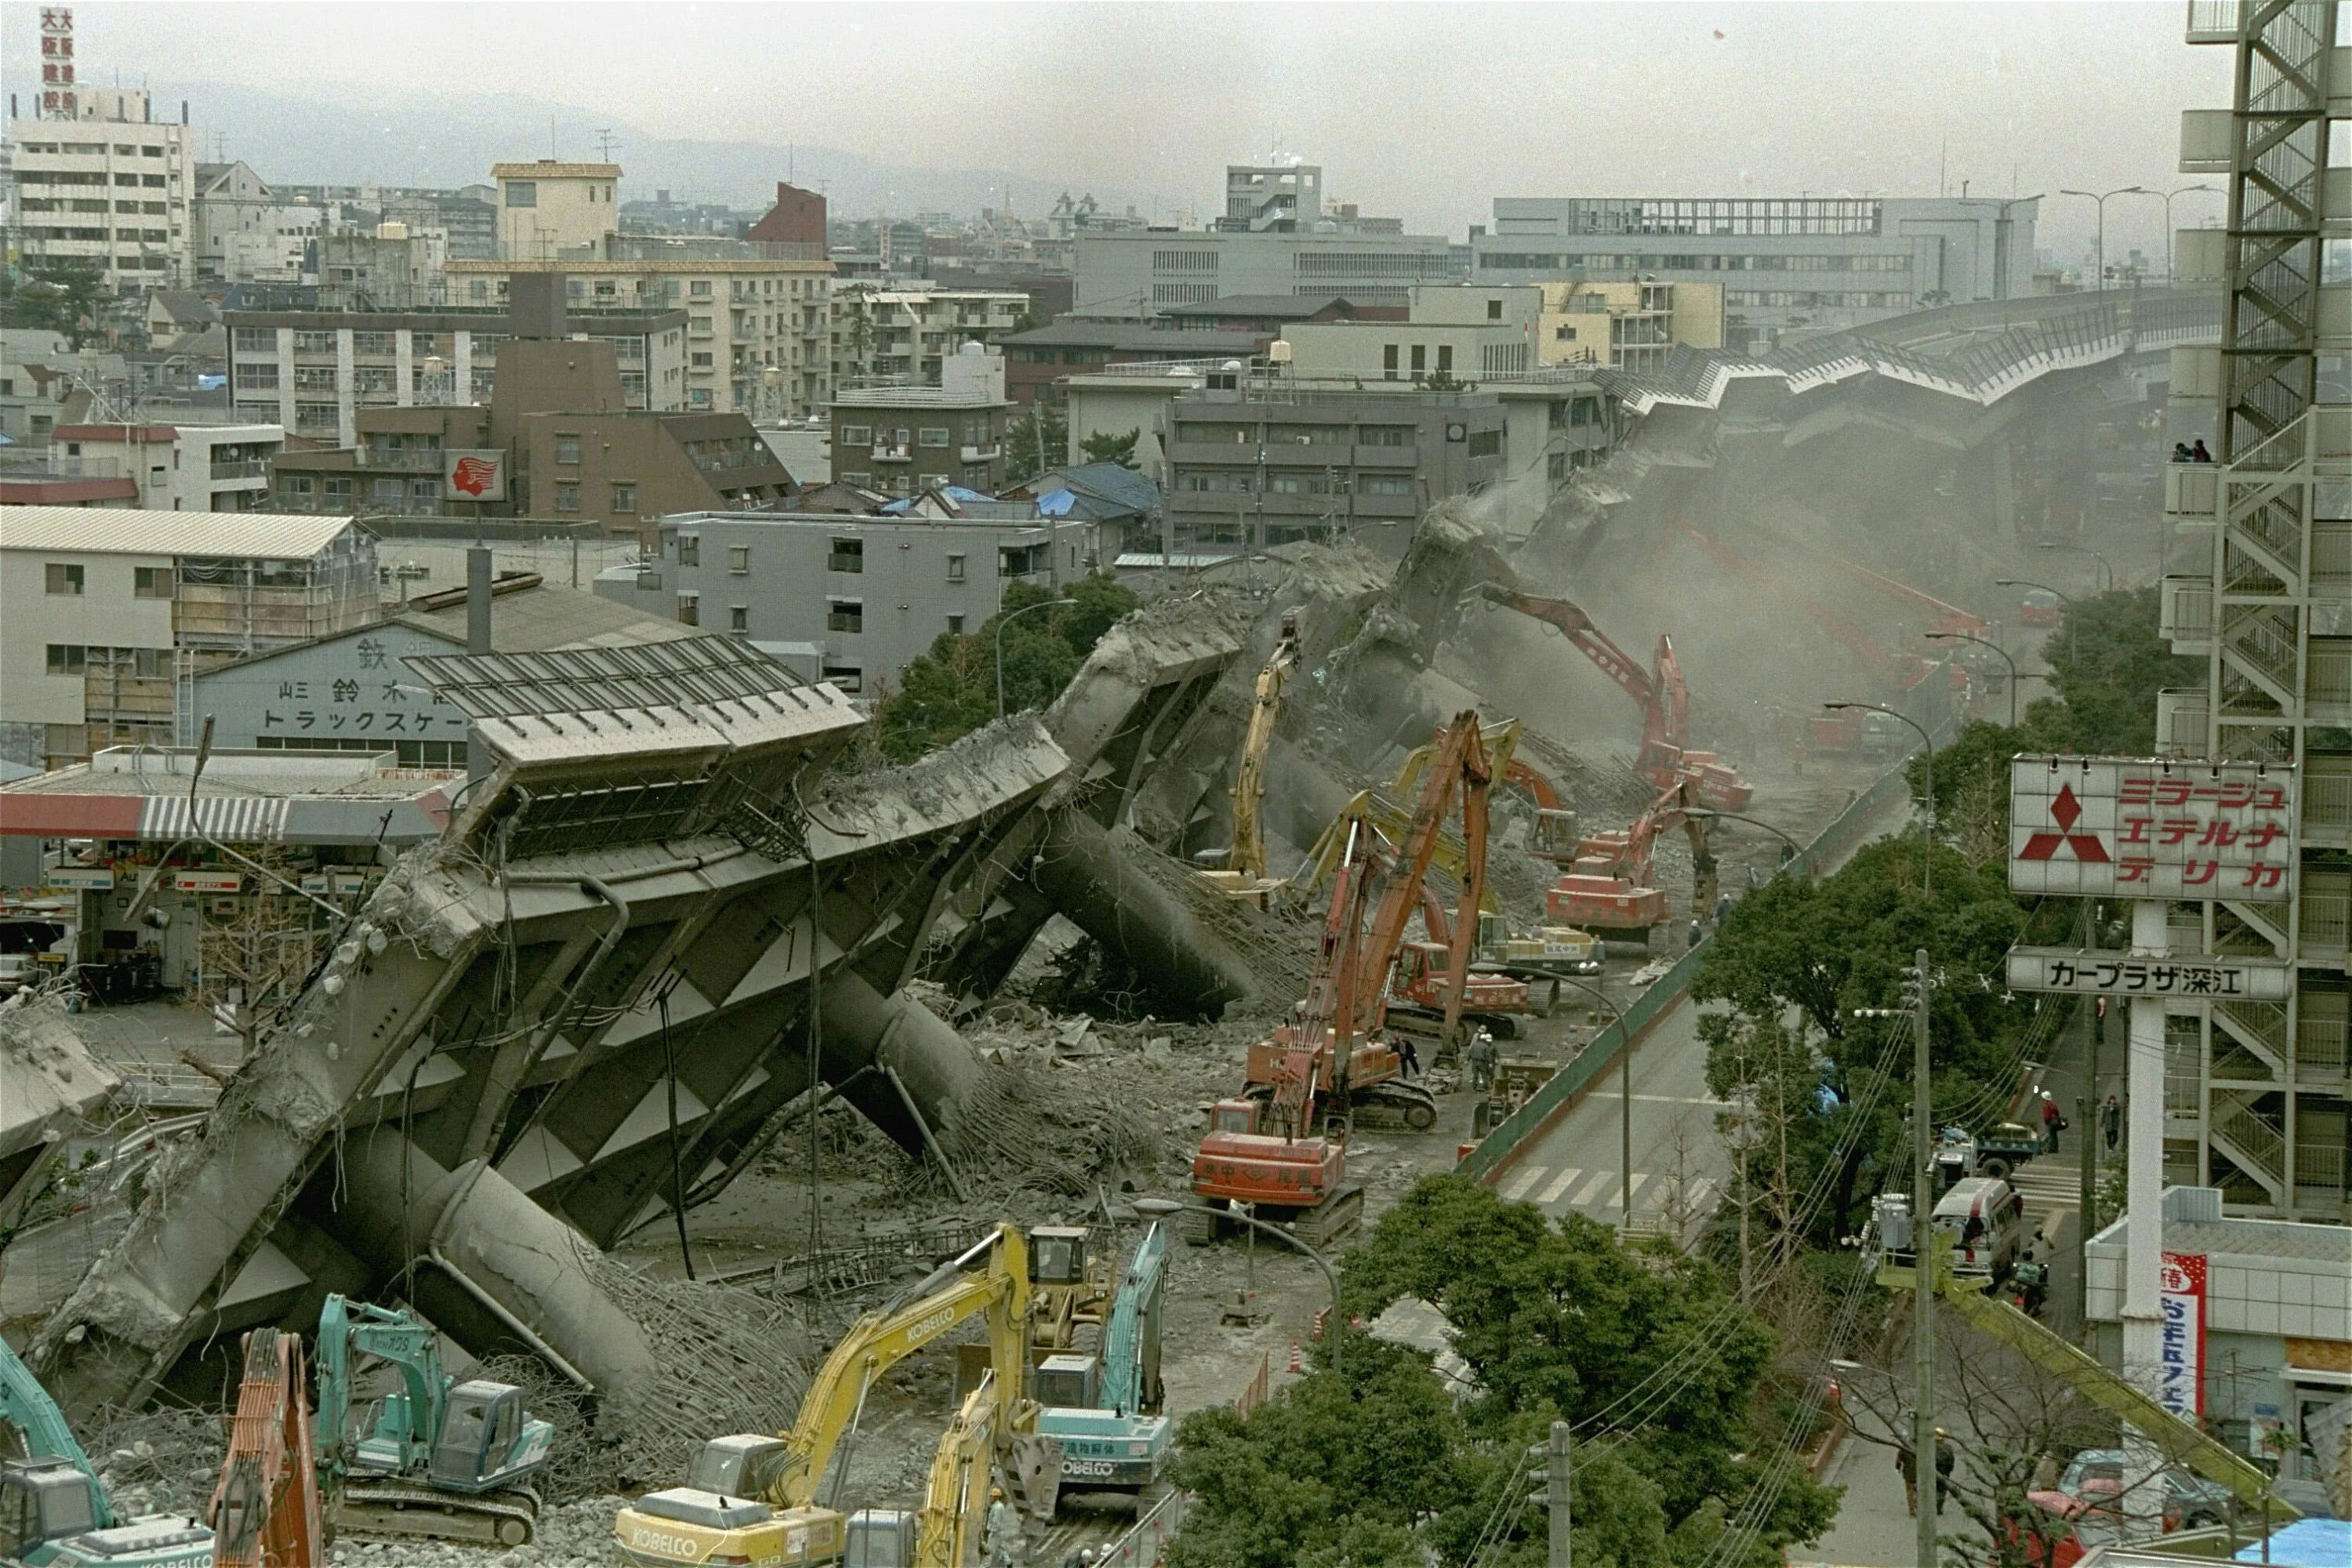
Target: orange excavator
1434	988
1608	889
1660	690
264	1511
1270	1153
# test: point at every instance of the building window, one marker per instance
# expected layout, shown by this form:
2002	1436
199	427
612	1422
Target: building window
567	496
1385	435
699	289
739	618
523	192
1444	359
955	626
68	659
567	449
690	609
1494	309
1420	358
154	582
739	559
845	555
1384	485
1486	443
625	498
844	615
858	480
934	435
701	361
857	435
689	550
847	679
64	579
955	568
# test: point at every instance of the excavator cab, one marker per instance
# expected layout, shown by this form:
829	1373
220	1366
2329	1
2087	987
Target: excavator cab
485	1438
1066	1382
49	1512
1555	836
1233	1116
1058	1255
744	1465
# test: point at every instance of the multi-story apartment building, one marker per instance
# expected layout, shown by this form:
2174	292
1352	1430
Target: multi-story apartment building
904	334
900	439
390	267
1272	198
547	208
248	233
2258	1097
180	468
1137	274
1271	458
751	309
1814	261
1416	352
466	214
1626	325
554	438
111	189
314	372
851	600
103	614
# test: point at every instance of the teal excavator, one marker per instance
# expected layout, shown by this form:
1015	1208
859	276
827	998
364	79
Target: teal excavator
53	1512
1104	1410
437	1457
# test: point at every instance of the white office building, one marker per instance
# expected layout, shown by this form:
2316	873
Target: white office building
111	189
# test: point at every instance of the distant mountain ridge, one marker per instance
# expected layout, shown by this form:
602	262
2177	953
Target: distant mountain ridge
447	138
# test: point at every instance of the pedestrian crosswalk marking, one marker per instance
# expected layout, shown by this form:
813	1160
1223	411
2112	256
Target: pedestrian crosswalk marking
1551	1193
1599	1179
1700	1192
1634	1189
1524	1180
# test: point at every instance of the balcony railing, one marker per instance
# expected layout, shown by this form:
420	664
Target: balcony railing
982	454
2186	617
2192	493
890	455
410	459
2212	21
242	468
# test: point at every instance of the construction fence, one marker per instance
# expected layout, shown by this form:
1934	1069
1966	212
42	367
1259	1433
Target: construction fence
1562	1091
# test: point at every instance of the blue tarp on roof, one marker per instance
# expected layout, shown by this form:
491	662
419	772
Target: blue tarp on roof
2306	1544
956	493
1056	503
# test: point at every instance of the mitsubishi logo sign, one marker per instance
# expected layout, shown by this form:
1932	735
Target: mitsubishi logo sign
2156	827
2064	810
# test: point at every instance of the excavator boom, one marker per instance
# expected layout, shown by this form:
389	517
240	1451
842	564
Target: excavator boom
41	1426
265	1511
1461	762
1246	860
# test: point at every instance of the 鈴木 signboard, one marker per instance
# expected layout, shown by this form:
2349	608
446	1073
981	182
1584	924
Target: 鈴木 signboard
2132	827
2192	977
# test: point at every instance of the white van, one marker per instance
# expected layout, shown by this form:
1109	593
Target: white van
1985	1217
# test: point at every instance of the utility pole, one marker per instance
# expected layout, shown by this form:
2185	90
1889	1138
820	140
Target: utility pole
2086	1116
1556	1497
1923	1295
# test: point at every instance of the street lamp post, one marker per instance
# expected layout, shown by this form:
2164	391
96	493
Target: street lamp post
2167	196
2106	572
1165	1207
1927	873
1986	642
1003	622
2066	599
1624	1095
2102	200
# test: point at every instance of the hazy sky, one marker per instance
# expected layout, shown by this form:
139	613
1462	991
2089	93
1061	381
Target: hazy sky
1425	112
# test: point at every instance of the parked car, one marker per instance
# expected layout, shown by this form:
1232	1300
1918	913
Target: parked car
1986	1220
2093	1481
17	970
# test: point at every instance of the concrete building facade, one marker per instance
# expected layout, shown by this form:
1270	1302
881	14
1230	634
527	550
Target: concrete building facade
547	208
1276	460
1628	325
905	333
1416	352
1272	198
103	615
860	597
314	372
112	190
1811	261
181	467
907	438
1037	362
248	233
1133	275
750	309
797	218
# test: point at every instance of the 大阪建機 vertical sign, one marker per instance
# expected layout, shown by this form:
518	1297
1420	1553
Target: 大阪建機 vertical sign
2132	827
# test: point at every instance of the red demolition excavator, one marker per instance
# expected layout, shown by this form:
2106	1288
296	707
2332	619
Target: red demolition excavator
1266	1150
1663	696
265	1511
1607	889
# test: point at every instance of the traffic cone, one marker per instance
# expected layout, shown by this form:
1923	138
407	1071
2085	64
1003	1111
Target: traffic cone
1296	1363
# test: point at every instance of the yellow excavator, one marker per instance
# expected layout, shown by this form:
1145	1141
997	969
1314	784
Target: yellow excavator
752	1498
1244	873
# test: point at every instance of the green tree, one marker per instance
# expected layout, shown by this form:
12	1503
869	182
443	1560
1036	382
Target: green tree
55	296
950	691
1105	448
1037	441
1820	949
2107	664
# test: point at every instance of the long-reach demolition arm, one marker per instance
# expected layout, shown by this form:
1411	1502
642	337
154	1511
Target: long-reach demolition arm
265	1509
1461	764
1665	710
879	1340
1247	857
